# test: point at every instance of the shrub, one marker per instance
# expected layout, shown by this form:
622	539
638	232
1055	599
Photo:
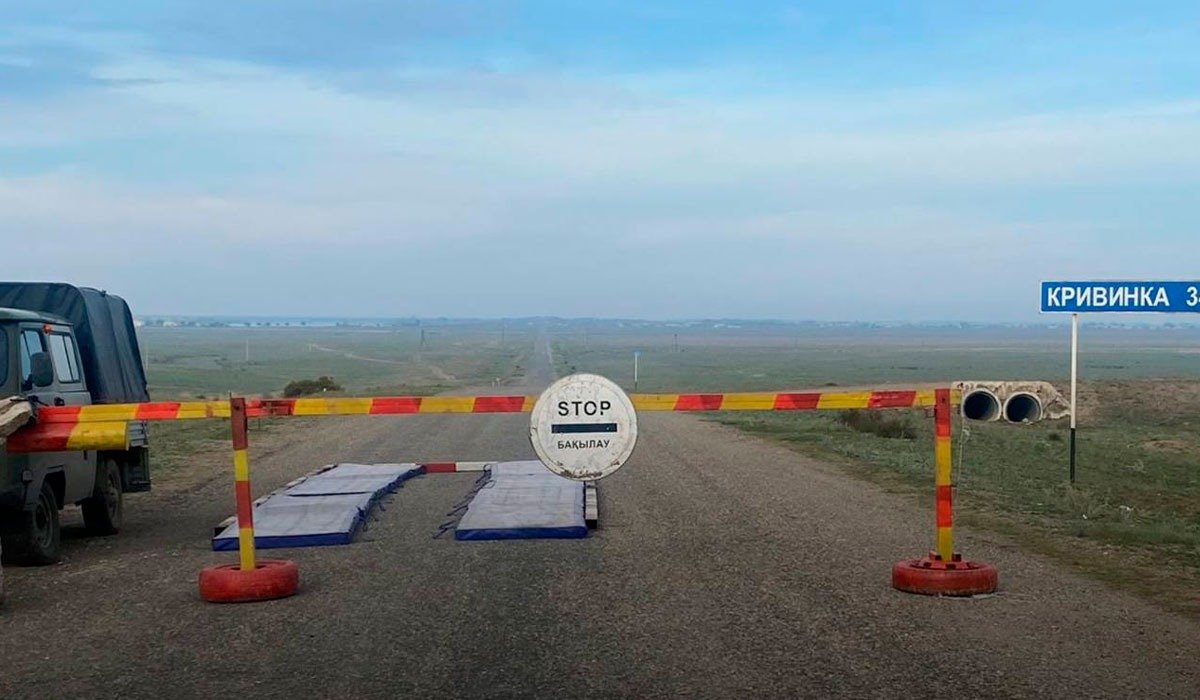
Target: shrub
883	424
307	387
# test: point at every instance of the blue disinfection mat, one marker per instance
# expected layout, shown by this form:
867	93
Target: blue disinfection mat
356	478
524	500
325	509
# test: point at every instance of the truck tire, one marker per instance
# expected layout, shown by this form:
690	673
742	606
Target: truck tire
36	540
104	511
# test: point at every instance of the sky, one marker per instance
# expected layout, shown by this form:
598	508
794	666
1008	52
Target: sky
810	161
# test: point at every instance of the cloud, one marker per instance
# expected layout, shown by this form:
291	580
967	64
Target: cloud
688	191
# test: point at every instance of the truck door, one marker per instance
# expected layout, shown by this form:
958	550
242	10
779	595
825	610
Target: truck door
68	389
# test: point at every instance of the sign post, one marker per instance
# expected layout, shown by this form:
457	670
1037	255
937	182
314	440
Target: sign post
583	427
1074	385
1123	296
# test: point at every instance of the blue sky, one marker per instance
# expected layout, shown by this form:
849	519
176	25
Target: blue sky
853	161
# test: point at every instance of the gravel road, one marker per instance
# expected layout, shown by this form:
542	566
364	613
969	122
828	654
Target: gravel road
725	566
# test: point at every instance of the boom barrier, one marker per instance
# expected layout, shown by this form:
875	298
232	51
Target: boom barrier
943	572
105	426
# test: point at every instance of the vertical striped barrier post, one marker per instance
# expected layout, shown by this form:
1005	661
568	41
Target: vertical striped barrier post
241	481
251	579
943	462
944	571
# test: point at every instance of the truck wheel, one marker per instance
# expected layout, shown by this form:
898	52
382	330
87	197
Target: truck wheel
103	512
37	537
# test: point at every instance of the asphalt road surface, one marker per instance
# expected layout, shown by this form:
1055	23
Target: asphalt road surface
725	566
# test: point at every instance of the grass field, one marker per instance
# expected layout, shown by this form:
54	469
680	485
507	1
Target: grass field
754	358
190	363
1132	517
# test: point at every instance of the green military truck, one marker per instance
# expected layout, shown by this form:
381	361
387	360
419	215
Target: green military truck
62	345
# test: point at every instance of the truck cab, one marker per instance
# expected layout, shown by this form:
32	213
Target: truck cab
46	360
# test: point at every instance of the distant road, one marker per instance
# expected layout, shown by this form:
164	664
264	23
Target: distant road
725	566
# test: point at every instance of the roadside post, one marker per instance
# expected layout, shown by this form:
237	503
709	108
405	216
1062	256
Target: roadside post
1121	296
250	580
1074	388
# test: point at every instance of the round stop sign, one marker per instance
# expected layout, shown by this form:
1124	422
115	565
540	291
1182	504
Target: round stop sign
583	427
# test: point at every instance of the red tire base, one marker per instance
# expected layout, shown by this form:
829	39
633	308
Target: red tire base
932	575
273	578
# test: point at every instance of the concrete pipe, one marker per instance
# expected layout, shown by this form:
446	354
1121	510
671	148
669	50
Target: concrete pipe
982	405
1023	407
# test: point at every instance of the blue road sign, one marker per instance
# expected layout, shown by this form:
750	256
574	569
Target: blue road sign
1121	297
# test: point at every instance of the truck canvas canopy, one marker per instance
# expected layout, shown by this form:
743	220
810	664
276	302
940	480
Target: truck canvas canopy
104	328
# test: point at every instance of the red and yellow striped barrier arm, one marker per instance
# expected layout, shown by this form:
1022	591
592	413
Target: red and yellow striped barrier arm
401	405
153	411
393	405
63	437
794	401
104	427
265	408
